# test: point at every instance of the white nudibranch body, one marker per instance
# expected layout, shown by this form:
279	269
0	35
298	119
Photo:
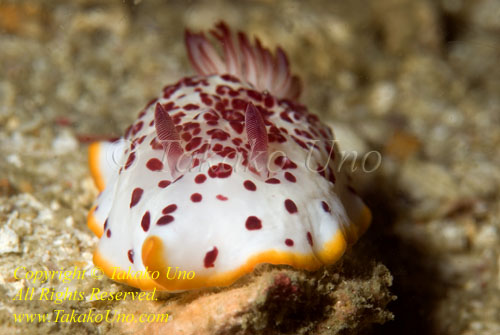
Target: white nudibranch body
222	172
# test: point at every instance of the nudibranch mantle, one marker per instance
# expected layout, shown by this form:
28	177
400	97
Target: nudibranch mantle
223	171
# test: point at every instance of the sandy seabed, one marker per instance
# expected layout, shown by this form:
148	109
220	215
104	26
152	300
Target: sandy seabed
416	81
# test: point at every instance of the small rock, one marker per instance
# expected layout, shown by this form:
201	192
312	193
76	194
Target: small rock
487	237
348	140
14	160
64	143
402	145
382	97
9	241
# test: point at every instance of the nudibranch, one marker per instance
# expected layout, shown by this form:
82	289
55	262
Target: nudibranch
224	171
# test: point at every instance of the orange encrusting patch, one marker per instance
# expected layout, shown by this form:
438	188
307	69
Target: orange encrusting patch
153	259
94	152
96	227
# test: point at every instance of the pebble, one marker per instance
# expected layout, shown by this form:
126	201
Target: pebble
382	97
64	143
9	241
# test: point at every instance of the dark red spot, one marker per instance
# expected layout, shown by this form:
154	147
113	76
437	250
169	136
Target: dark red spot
191	125
193	144
200	179
290	177
230	78
221	89
237	126
249	185
239	104
196	197
169	209
254	95
299	142
164	220
169	106
202	149
290	206
154	164
156	145
233	115
146	220
274	129
306	134
127	131
221	197
130	255
253	223
284	116
268	101
325	206
106	224
211	115
227	152
315	133
137	128
289	242
205	99
164	183
130	160
331	178
321	170
169	90
218	134
186	136
136	196
190	107
218	147
219	106
210	258
285	163
273	181
150	103
273	137
310	239
311	118
108	233
220	170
